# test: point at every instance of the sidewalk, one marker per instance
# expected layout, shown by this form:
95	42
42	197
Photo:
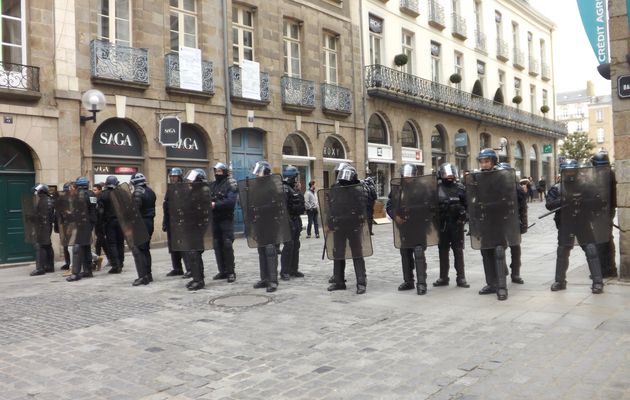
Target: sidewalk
101	338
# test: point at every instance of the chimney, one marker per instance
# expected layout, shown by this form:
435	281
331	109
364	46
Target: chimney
590	89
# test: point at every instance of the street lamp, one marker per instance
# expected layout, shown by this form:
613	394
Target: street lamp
93	101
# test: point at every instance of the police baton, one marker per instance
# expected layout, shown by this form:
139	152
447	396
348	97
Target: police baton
550	212
531	225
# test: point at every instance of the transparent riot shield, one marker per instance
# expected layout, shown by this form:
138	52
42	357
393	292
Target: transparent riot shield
343	210
190	216
265	212
73	219
493	209
35	218
415	205
128	216
585	213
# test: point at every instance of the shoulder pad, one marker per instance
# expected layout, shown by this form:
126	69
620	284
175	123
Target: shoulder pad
233	184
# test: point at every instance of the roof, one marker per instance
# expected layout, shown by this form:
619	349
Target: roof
577	96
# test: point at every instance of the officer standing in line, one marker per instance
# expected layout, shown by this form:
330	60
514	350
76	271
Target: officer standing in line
144	201
193	258
554	202
66	252
452	212
82	253
175	175
607	250
113	232
224	193
44	255
100	245
290	256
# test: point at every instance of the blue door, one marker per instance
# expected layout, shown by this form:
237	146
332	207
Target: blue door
247	149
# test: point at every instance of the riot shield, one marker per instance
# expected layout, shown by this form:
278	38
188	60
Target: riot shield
415	205
128	216
190	216
35	218
73	219
585	213
264	211
344	216
493	209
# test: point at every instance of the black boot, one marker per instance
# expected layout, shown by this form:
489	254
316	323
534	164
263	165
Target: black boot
421	269
594	266
231	278
406	258
406	286
501	267
272	287
459	268
556	286
37	272
175	272
443	280
141	281
359	271
196	285
73	278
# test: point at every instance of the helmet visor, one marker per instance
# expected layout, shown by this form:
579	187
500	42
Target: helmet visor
408	171
448	171
193	175
346	174
260	169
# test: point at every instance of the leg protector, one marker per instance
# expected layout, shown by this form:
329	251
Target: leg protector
218	253
339	271
406	256
594	264
421	264
501	267
444	263
227	253
562	263
271	255
286	257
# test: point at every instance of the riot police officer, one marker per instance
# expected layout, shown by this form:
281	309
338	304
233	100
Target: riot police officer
452	213
44	255
193	258
515	250
565	244
346	234
224	193
144	201
175	175
290	256
82	253
113	232
607	250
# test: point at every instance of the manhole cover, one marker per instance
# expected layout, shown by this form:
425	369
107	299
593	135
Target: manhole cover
240	300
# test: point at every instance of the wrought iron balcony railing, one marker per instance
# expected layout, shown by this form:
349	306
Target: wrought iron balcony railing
480	41
534	66
121	64
18	76
336	99
410	7
546	72
436	14
236	86
502	50
171	67
297	93
399	86
459	27
519	59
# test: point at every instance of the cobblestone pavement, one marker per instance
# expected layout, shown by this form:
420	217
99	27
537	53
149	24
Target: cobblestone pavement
101	338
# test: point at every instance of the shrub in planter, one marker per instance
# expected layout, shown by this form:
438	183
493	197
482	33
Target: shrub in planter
498	96
544	109
477	90
517	100
401	59
455	78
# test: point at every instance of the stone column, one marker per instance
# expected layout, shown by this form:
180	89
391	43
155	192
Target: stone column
619	40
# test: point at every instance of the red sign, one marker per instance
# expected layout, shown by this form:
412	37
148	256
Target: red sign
125	170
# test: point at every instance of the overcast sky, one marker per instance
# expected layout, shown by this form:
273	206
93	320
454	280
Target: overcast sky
574	59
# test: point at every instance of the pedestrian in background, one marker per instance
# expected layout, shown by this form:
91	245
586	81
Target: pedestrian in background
542	189
312	206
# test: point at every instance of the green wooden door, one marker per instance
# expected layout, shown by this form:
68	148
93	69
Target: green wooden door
12	245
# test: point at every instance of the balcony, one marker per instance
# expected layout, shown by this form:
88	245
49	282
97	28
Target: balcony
119	65
534	66
459	27
436	15
336	100
546	72
519	59
502	50
236	88
480	42
19	81
410	7
171	69
398	86
297	94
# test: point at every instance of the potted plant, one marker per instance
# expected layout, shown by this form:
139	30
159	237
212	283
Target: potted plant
544	109
517	100
498	96
455	78
477	90
401	59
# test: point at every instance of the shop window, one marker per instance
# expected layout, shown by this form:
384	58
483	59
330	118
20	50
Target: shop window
377	131
294	145
408	136
461	150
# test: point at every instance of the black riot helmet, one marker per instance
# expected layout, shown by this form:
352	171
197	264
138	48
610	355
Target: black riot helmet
290	174
220	167
447	172
196	175
138	179
40	188
347	175
176	171
262	168
569	163
488	153
111	182
339	167
408	171
600	158
82	182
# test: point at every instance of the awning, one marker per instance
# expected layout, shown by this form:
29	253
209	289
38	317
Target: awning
298	159
382	161
336	160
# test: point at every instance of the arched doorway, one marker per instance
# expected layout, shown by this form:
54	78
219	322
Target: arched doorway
519	162
461	151
247	149
116	150
380	155
333	153
438	147
17	177
485	141
533	163
295	152
411	146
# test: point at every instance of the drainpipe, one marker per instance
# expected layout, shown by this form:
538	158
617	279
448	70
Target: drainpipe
226	89
362	85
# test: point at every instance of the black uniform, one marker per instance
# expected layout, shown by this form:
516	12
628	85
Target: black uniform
290	257
176	256
607	250
44	254
99	231
515	251
113	232
82	254
224	193
144	200
452	212
372	195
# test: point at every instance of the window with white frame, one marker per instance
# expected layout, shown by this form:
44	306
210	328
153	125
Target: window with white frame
458	67
530	45
436	62
502	81
601	135
517	86
242	34
498	22
376	39
543	51
407	49
545	97
183	24
13	32
481	74
516	36
329	61
532	99
599	116
478	16
114	21
291	38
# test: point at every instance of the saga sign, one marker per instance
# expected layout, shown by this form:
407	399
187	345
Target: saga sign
170	131
115	139
186	143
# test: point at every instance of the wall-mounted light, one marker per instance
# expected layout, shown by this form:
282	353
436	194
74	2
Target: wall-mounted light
93	101
502	144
